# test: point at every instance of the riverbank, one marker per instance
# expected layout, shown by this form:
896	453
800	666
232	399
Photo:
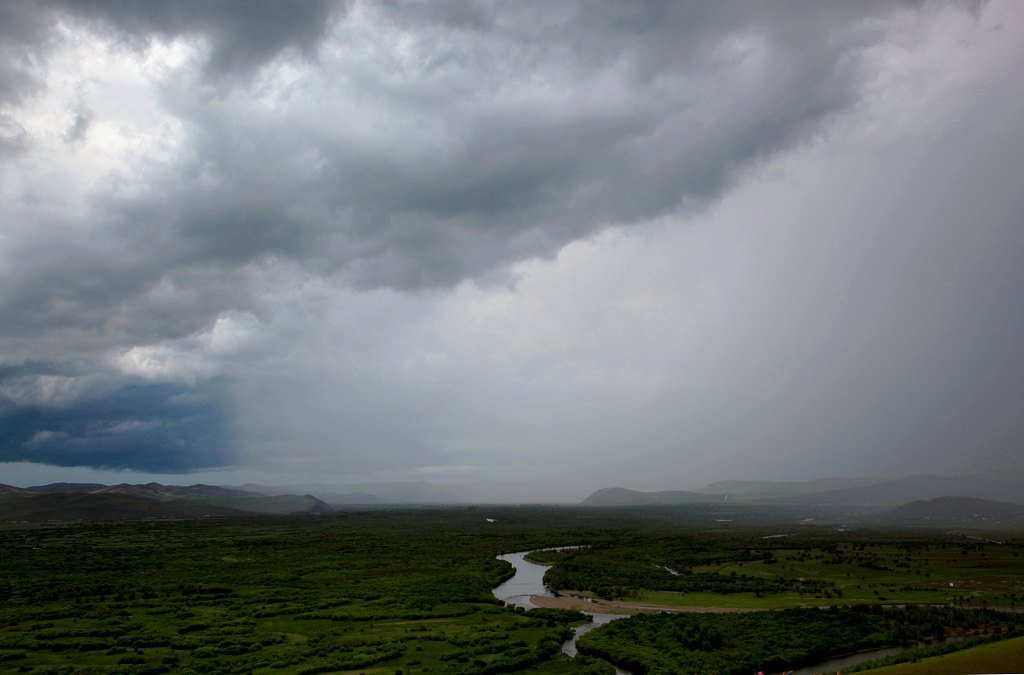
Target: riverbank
569	600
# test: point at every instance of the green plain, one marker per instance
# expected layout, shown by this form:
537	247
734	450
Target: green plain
1001	657
409	590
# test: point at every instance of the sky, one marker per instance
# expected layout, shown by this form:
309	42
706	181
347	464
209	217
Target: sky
563	245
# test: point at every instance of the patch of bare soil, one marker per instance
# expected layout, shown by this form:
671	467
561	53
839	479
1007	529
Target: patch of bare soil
568	600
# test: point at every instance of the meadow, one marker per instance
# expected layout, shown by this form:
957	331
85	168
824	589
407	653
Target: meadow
409	590
1000	657
739	568
303	595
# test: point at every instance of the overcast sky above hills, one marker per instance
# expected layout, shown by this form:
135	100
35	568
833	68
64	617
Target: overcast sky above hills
579	244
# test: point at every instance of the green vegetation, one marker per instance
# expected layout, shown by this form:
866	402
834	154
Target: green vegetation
774	641
1000	657
743	569
409	591
940	649
404	591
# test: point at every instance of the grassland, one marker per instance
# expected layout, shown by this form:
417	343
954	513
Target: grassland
409	591
1000	657
402	591
777	641
742	569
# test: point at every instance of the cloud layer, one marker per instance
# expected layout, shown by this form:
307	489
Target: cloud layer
311	217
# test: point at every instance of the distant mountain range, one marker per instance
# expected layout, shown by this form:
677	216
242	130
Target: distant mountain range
891	493
918	499
955	511
759	489
86	506
616	496
417	492
86	501
68	502
922	499
1001	486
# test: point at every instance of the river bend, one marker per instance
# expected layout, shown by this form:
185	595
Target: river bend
529	582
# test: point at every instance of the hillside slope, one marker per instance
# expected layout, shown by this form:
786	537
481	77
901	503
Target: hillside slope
617	496
78	506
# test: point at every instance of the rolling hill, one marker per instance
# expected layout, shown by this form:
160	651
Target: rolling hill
955	511
762	489
83	506
241	500
76	502
892	493
617	496
1004	486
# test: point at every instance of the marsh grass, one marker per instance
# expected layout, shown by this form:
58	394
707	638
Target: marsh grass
409	590
400	591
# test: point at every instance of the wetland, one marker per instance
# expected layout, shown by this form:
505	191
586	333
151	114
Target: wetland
413	591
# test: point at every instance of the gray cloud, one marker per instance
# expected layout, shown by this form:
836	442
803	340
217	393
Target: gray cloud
397	150
13	138
243	34
79	124
495	139
24	37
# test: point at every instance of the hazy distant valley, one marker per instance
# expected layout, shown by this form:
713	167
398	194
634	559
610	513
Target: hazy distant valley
920	500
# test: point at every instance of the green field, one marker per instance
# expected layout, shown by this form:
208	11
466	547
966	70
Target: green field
317	594
409	591
778	641
1001	657
742	569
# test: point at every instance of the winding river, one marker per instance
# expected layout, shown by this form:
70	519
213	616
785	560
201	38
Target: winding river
529	582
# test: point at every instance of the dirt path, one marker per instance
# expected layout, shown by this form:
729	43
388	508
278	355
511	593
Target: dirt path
574	601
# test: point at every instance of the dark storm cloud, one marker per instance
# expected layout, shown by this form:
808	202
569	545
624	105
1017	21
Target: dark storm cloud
500	138
412	147
83	298
118	424
243	34
24	41
24	37
503	138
